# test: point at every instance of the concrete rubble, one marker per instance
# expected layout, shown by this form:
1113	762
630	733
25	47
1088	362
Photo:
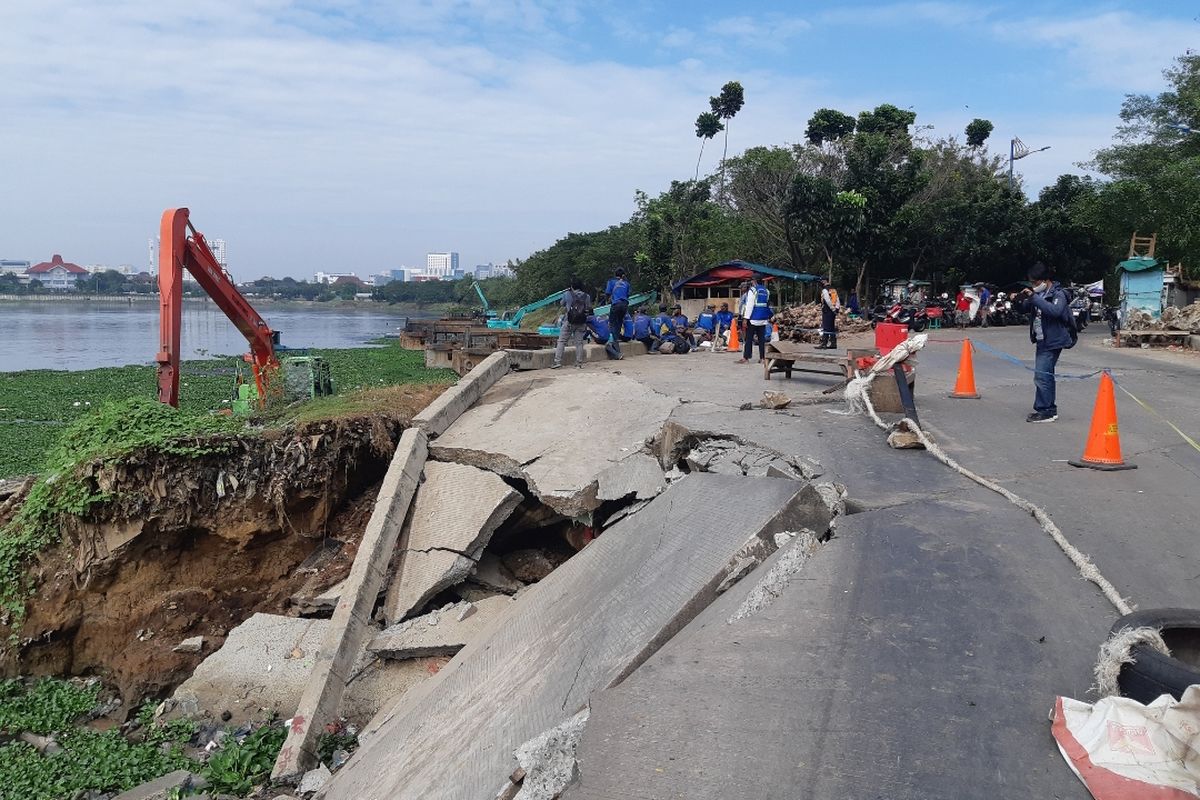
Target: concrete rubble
454	514
193	644
314	780
638	476
265	663
173	784
582	629
439	633
563	471
490	573
548	760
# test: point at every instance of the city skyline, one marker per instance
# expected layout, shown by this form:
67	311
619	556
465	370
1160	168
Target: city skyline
370	133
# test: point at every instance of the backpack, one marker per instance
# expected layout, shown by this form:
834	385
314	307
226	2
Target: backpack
577	311
1069	322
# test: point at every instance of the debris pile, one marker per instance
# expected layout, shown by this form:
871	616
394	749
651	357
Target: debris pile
1172	319
802	323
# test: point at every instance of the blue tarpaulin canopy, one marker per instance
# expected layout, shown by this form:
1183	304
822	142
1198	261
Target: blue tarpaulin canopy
739	270
1139	264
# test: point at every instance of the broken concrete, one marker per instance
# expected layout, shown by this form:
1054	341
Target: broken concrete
173	784
526	427
490	573
450	404
584	628
265	663
193	644
439	633
533	564
638	476
549	760
343	643
715	451
770	587
543	358
314	780
456	511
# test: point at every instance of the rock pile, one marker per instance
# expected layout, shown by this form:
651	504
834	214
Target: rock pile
1172	319
802	323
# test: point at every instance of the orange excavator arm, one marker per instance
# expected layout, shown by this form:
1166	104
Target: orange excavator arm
179	251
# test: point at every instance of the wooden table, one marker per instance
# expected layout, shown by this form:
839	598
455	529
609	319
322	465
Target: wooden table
784	357
1184	337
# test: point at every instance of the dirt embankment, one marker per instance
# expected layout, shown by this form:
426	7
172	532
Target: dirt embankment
193	546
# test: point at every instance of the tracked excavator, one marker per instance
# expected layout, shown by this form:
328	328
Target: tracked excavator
296	376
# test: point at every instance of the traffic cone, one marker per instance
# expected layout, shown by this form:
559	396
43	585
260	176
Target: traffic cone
964	387
734	343
1103	448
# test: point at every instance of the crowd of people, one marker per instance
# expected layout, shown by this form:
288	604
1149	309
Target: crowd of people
668	330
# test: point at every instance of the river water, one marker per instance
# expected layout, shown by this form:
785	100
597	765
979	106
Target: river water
82	335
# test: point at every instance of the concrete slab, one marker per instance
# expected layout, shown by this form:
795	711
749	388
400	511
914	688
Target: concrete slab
346	635
439	633
265	663
450	404
455	513
173	784
638	476
912	657
544	358
558	432
584	628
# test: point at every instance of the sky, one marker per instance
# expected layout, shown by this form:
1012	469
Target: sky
357	135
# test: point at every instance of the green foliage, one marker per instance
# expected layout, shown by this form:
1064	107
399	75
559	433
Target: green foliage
828	125
328	743
886	119
708	125
978	131
50	706
237	767
89	760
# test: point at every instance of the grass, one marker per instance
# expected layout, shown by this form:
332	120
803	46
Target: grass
108	761
37	405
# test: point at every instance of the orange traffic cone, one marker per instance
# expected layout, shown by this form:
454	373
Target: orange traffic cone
1103	448
734	343
964	387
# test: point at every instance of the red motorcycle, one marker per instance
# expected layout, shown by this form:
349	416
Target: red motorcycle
917	319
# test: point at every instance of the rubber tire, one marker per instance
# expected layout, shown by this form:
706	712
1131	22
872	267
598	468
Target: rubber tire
1154	674
920	325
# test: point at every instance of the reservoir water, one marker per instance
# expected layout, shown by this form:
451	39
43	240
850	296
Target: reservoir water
84	335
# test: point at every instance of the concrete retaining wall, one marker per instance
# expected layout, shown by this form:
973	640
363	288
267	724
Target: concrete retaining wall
441	413
348	628
542	359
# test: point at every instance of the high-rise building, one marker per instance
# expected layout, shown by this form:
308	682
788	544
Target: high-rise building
441	265
218	250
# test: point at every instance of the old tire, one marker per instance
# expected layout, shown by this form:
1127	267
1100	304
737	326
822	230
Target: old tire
919	325
1152	674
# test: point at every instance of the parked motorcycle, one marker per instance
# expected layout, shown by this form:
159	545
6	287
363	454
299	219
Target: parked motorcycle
915	317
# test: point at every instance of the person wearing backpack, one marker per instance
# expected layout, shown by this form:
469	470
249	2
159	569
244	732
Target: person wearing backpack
618	297
574	323
1052	330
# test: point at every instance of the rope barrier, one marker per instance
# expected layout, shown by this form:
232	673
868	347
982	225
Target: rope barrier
857	396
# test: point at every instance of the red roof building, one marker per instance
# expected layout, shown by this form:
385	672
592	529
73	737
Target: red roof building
56	273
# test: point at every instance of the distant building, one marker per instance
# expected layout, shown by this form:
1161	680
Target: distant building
502	271
218	250
331	277
406	273
56	273
123	269
441	265
384	278
13	266
350	280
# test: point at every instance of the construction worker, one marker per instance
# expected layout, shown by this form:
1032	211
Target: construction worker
641	329
618	298
724	323
678	317
660	324
829	309
756	316
706	323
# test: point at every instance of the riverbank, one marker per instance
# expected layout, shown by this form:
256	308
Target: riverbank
36	405
402	309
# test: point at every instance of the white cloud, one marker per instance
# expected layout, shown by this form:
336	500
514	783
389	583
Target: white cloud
948	14
308	149
1114	49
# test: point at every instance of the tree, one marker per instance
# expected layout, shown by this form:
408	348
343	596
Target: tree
760	183
708	125
828	125
978	131
1155	167
887	120
726	105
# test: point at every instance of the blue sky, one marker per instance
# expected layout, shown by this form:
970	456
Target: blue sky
358	135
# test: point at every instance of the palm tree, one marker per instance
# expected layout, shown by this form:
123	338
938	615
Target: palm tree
726	105
708	125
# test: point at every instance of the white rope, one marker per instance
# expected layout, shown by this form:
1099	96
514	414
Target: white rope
1118	651
858	396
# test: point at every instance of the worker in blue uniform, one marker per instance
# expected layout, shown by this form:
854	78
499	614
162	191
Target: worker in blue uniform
641	329
756	311
706	322
618	298
678	317
599	330
660	325
724	322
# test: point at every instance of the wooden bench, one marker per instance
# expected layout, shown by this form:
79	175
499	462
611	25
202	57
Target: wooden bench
784	357
1184	337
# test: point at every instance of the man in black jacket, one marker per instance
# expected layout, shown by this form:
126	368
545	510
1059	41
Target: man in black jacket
1048	307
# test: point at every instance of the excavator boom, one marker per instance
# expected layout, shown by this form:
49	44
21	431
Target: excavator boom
179	251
